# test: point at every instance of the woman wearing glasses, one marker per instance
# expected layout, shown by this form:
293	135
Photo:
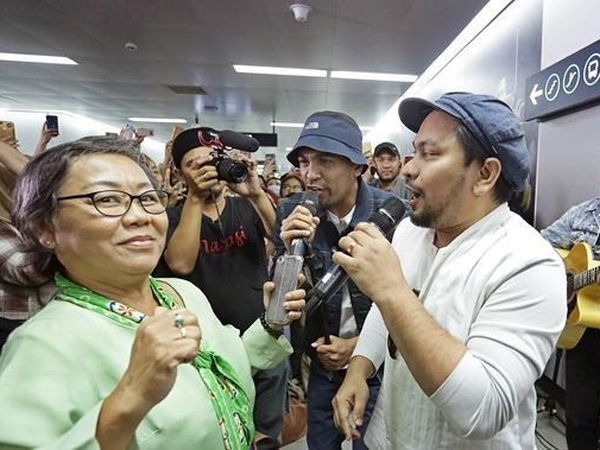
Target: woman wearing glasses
119	359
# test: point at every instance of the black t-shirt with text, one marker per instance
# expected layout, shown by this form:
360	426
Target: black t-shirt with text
232	264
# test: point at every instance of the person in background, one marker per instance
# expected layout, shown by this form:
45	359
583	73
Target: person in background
12	162
218	243
582	364
274	185
20	297
119	359
146	160
46	136
388	164
290	185
23	291
470	300
329	155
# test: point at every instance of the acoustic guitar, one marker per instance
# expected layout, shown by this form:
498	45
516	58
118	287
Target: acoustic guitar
583	294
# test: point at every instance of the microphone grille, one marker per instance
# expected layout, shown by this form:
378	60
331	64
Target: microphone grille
388	215
310	201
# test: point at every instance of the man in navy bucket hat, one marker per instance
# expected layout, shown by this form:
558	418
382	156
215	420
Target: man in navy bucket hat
471	296
329	155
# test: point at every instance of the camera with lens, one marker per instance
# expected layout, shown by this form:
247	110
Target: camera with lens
228	169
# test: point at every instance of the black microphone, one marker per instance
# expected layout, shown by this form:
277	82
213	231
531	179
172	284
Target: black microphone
239	141
385	218
232	139
309	200
287	269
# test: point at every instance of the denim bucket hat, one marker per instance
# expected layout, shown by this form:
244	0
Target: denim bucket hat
330	132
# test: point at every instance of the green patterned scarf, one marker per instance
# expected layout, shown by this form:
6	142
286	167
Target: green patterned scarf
226	392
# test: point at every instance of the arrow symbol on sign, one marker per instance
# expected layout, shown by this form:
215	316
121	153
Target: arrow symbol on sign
535	93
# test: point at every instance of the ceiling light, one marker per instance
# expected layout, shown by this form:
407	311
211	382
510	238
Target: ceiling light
301	125
156	120
266	70
287	124
39	59
374	76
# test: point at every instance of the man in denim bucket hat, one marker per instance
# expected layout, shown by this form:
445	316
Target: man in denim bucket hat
490	121
329	155
463	290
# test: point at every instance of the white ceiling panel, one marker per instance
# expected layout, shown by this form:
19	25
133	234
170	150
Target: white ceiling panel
191	42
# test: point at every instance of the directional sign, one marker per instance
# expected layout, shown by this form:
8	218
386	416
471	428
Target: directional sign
570	83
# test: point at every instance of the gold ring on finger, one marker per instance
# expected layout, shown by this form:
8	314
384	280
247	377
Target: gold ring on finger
351	247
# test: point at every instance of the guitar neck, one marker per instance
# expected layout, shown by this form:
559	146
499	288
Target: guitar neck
583	279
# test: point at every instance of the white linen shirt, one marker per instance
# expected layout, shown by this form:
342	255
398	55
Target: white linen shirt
499	287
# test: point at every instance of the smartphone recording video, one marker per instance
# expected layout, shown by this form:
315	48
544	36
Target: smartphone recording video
52	125
7	131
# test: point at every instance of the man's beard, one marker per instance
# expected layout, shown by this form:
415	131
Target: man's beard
424	220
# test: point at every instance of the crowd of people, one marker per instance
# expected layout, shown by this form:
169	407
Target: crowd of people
133	294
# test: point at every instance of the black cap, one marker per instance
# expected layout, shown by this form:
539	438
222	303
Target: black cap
386	147
187	140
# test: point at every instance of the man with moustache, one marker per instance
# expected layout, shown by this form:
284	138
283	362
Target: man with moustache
472	297
388	163
329	155
217	242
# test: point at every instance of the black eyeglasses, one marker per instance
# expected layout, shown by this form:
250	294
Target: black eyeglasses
113	203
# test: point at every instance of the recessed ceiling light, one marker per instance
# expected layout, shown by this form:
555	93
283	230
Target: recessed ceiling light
287	124
156	120
373	76
38	59
301	125
289	71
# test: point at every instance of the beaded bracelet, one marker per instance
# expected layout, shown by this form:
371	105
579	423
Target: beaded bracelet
268	328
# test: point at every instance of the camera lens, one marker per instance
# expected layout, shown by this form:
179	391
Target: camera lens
231	170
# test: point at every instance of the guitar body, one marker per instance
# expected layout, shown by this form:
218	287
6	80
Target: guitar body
586	312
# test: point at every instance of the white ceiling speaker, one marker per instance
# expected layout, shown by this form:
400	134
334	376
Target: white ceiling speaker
300	11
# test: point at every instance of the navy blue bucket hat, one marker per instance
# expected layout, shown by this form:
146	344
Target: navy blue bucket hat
330	132
490	121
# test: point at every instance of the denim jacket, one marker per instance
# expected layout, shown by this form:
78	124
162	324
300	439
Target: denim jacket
581	223
325	240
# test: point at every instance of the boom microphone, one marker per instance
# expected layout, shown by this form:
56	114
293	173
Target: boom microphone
387	216
238	141
288	268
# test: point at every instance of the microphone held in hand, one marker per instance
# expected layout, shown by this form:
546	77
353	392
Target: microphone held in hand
387	216
288	268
